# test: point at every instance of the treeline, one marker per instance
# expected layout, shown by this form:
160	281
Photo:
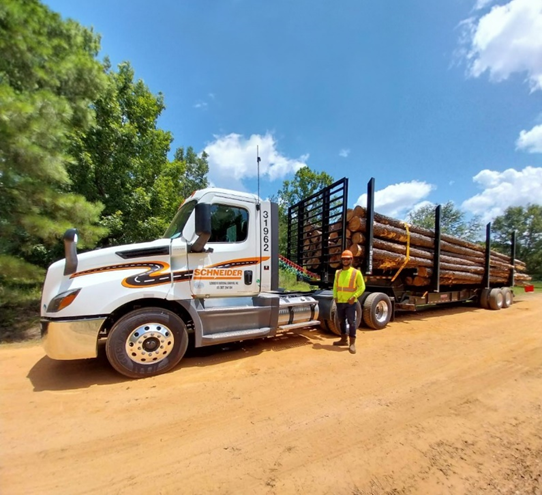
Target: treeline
79	146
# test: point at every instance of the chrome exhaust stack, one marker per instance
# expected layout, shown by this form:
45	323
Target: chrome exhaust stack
70	251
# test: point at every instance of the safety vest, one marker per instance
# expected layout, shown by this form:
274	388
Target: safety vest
351	287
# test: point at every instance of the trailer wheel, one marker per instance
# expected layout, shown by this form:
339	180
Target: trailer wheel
495	299
146	342
377	310
484	298
334	325
508	297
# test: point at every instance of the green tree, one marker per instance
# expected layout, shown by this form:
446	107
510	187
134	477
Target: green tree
122	160
526	221
176	181
305	183
452	220
48	78
195	171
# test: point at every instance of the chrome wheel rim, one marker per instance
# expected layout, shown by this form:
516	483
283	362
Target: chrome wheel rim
150	343
381	311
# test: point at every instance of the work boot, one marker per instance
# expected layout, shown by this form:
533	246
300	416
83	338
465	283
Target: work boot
352	347
343	341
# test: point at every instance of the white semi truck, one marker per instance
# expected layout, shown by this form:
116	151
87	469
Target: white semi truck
214	276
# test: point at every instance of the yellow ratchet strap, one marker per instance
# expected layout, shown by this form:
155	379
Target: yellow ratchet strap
407	252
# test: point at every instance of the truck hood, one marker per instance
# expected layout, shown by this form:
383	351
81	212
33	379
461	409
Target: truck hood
109	263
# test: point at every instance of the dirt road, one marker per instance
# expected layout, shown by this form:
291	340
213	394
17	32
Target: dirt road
445	401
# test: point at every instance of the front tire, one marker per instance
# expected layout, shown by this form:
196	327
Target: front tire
146	342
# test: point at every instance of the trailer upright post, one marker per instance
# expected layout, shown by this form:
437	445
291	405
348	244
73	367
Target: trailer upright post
289	230
325	235
511	280
300	231
370	227
487	278
435	282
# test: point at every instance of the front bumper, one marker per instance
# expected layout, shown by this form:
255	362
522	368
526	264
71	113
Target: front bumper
71	339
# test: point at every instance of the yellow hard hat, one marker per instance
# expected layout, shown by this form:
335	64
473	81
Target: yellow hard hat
347	254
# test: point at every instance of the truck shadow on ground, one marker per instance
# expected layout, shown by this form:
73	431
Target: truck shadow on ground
50	375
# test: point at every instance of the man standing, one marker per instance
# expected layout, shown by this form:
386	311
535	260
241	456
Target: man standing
347	288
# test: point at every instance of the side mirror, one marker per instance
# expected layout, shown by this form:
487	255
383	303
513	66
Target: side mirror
70	251
203	227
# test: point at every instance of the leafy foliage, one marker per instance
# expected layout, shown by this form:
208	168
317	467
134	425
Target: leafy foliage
526	221
305	182
122	162
48	79
122	154
452	220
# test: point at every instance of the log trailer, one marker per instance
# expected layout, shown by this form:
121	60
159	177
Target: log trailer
406	268
214	277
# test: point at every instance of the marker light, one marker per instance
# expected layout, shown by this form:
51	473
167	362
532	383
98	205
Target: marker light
62	300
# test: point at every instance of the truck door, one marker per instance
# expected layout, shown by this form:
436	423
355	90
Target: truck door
230	265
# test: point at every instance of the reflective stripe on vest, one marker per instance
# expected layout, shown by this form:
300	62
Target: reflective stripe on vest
351	287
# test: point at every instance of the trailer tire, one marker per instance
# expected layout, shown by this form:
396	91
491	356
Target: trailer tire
508	297
495	299
146	342
377	310
334	325
484	298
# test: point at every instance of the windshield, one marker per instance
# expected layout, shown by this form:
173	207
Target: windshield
176	227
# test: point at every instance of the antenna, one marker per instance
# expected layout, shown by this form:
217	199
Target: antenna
258	160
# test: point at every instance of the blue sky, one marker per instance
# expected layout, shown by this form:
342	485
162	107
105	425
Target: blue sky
438	100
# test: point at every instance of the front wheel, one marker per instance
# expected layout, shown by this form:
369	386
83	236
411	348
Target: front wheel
377	310
146	342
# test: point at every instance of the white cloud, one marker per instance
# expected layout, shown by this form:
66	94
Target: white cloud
507	40
232	158
203	104
398	199
530	141
503	189
482	4
344	152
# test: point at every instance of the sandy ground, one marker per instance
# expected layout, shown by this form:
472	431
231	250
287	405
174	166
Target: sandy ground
446	401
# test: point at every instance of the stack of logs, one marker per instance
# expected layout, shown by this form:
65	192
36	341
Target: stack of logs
461	262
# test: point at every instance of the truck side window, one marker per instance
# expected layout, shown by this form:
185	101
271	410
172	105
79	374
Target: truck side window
228	224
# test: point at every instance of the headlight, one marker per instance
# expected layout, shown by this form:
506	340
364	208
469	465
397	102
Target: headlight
63	300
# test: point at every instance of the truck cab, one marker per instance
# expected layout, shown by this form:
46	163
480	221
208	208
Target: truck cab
213	275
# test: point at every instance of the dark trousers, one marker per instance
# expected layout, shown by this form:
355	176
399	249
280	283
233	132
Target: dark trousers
347	313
